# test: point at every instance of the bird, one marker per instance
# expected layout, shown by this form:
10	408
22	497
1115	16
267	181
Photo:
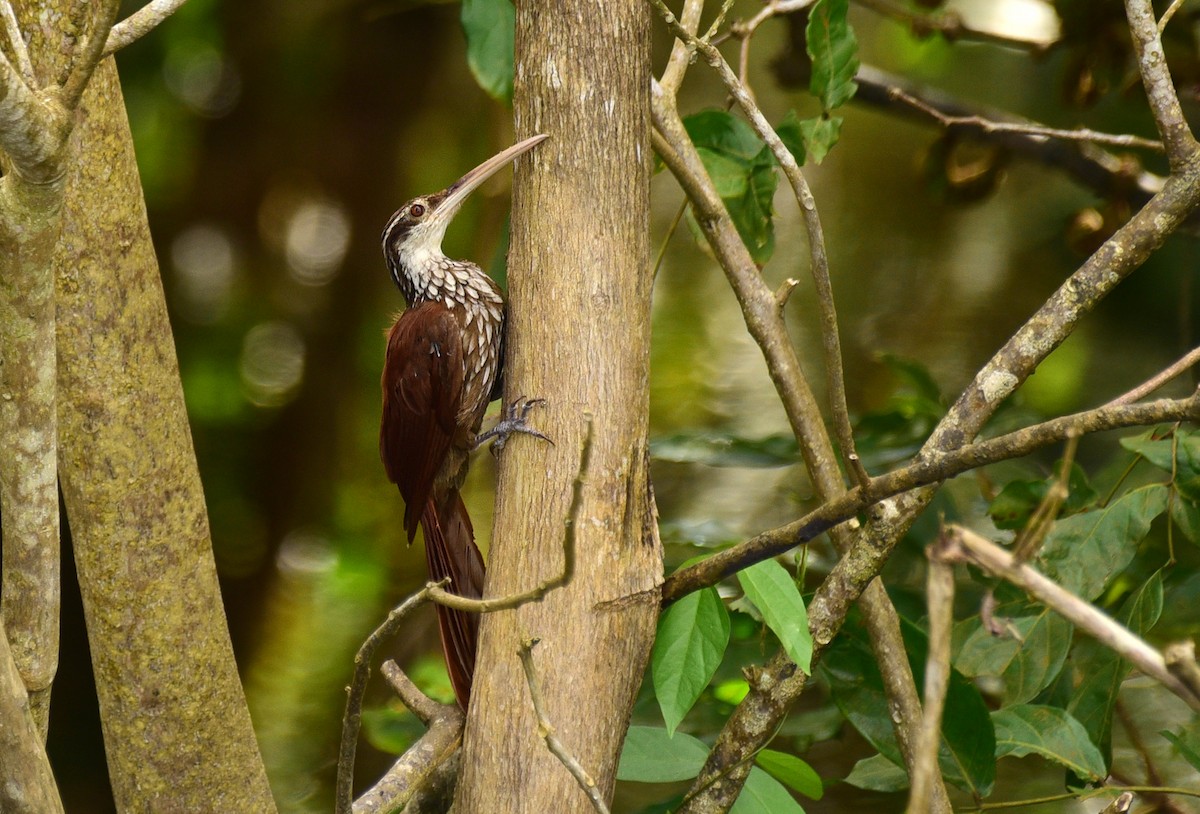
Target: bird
441	369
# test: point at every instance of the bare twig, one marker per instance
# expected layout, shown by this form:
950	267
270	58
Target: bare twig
1042	520
1168	373
1180	658
88	55
546	732
940	593
435	592
17	40
140	23
831	341
1182	148
352	720
420	704
1168	14
951	26
1032	129
921	473
963	545
536	593
682	51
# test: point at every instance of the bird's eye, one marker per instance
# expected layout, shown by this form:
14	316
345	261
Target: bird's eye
416	210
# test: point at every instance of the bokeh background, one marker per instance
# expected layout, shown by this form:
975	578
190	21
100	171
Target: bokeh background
275	138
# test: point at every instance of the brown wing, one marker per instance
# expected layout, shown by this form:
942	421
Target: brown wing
422	392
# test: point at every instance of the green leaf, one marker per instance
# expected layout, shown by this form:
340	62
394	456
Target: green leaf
877	773
1083	552
1101	671
650	755
1050	732
1187	742
967	754
763	794
792	772
743	170
723	449
1019	498
391	730
692	636
834	53
1179	456
773	591
1027	661
812	138
489	26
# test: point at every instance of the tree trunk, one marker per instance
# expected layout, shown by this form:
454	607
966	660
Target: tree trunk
176	729
579	336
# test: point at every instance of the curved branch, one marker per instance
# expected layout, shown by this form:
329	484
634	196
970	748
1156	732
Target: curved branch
922	473
139	24
1182	148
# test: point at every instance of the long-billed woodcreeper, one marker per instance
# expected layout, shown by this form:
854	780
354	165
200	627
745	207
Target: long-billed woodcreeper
443	367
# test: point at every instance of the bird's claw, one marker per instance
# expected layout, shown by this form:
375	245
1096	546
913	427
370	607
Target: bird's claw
513	420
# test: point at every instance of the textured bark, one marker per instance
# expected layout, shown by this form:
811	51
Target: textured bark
176	729
579	337
26	782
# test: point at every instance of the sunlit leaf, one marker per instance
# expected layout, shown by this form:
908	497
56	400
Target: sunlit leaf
1050	732
773	591
1083	552
743	170
834	53
1027	660
792	772
763	794
691	640
722	449
650	755
877	773
489	26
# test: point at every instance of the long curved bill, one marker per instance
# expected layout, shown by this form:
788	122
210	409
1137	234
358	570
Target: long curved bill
457	192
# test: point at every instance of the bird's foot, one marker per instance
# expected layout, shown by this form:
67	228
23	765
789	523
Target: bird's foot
512	421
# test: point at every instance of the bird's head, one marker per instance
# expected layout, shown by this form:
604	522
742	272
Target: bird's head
412	239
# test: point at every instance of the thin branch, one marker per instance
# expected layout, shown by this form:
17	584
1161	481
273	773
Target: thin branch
421	767
417	702
139	24
963	545
1031	129
435	592
17	40
681	51
951	26
916	475
1182	148
1168	14
1180	658
940	599
1184	363
352	720
88	55
546	732
819	261
536	593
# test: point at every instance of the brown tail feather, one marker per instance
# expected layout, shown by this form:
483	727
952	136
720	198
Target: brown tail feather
450	551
